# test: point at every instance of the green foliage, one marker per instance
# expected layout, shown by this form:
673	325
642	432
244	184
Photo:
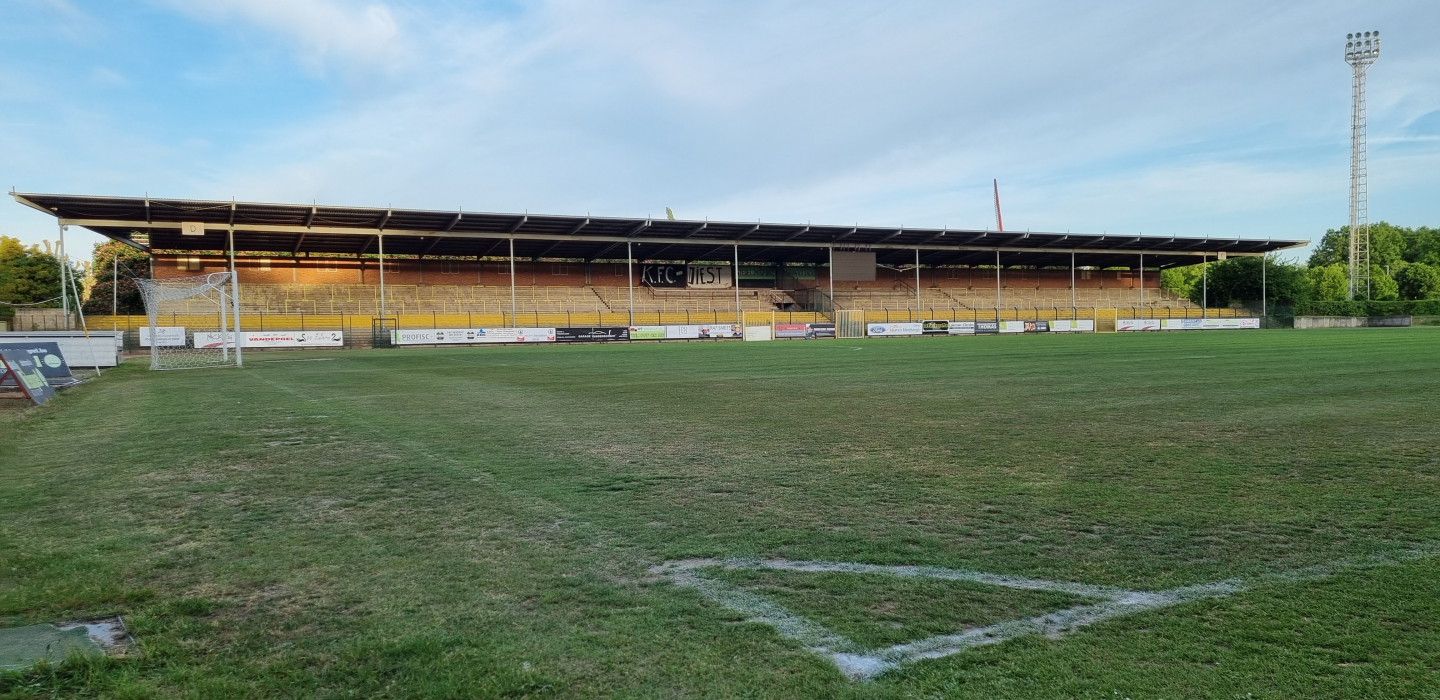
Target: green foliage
1390	246
1333	249
134	264
1328	282
1419	281
1242	281
1180	280
1362	307
27	275
1382	285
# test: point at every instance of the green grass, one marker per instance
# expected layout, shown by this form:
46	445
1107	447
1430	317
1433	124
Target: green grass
461	523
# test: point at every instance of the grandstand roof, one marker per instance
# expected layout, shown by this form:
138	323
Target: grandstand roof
305	228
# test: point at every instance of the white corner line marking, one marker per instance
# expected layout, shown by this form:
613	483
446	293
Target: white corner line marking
859	663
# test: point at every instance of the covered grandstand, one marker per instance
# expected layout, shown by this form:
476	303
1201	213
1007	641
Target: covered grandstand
344	267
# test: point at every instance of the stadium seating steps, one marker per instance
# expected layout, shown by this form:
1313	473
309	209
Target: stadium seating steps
456	299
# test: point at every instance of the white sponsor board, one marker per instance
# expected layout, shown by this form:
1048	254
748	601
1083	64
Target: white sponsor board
719	330
1012	326
1077	326
682	332
465	336
169	336
961	328
1137	324
880	329
707	277
758	333
1206	324
273	339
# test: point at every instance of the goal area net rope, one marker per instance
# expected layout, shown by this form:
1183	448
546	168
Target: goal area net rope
193	321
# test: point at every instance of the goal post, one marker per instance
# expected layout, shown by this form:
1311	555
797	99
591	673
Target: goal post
204	316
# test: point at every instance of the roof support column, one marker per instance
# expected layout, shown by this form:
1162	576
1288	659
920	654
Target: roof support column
514	319
1072	285
739	318
630	280
235	298
1204	285
830	273
997	285
1142	285
917	284
380	238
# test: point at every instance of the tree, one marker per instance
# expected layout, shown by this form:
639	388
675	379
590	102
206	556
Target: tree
134	264
1328	282
1240	280
27	275
1423	245
1389	245
1382	285
1181	280
1419	281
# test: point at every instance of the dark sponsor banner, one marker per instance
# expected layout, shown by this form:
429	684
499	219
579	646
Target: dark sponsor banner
982	327
662	275
22	367
935	327
47	357
1037	326
804	330
591	334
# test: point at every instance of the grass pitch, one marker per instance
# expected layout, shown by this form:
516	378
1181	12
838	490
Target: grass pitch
480	522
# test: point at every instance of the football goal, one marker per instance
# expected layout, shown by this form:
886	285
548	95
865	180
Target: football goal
194	321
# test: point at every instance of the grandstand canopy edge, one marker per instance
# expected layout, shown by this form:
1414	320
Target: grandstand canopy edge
304	229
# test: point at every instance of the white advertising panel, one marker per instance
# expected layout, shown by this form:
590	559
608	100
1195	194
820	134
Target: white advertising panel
708	277
886	329
1012	326
169	336
273	339
961	328
1137	324
682	332
1073	326
757	333
1193	324
719	330
463	336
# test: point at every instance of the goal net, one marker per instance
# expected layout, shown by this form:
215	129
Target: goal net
193	321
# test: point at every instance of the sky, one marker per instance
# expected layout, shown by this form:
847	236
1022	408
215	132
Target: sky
1221	118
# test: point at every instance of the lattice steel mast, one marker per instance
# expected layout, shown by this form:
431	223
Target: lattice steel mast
1361	50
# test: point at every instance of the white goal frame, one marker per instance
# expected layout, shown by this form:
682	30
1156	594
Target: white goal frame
212	332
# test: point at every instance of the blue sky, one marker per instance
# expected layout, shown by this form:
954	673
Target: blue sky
1218	118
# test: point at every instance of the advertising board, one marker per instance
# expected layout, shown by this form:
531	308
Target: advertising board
708	277
1195	324
987	327
272	339
169	336
1012	326
1137	324
27	374
465	336
1077	326
682	332
804	330
647	332
893	329
1037	326
47	357
758	333
591	334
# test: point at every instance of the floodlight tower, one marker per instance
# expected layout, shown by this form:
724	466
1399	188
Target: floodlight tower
1361	50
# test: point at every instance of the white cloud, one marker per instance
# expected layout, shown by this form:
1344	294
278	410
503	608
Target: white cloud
323	32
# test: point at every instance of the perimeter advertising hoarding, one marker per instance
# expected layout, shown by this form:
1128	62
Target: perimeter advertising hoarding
758	333
804	330
591	334
464	336
47	357
893	329
647	332
1196	324
1080	326
26	371
1037	326
1012	326
987	327
1137	324
170	336
935	327
287	339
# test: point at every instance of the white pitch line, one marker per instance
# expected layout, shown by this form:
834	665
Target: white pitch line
859	663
